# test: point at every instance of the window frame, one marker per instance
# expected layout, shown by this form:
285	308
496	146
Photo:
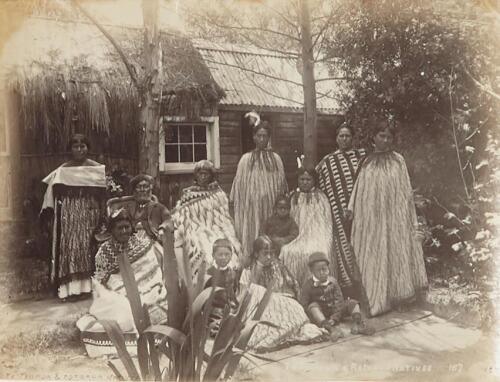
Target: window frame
213	144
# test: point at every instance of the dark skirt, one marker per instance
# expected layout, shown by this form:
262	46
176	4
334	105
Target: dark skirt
78	215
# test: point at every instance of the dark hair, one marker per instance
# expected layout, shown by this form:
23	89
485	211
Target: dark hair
382	124
75	138
262	125
222	243
344	126
309	170
261	242
283	197
118	216
207	165
139	178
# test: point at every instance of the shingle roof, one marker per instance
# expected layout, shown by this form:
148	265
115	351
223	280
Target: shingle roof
259	78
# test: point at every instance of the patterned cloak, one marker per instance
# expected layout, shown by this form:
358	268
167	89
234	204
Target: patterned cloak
201	217
110	303
390	258
259	179
337	172
311	211
76	194
292	324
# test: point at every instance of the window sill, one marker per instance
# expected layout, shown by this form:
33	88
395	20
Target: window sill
181	168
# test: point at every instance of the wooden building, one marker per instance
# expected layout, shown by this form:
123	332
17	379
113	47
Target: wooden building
68	78
61	77
254	79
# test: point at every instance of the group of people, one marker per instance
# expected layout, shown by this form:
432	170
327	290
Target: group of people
344	243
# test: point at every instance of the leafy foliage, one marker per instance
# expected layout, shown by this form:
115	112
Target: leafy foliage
431	68
183	342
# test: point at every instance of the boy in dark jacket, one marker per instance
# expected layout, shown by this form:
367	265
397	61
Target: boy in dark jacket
224	277
323	301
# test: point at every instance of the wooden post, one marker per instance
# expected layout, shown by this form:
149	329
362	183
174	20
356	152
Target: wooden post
309	87
150	91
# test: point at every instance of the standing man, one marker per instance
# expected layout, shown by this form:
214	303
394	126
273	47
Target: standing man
337	172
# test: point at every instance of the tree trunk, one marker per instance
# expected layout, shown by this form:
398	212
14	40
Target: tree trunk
150	91
309	87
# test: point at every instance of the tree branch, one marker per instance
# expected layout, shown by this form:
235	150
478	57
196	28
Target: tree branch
332	78
272	94
322	29
259	73
130	68
452	113
481	86
282	16
243	27
253	42
254	72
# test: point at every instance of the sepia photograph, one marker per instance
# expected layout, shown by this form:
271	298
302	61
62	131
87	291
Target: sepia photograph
250	190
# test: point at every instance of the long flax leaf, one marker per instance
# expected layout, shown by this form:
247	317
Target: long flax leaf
202	333
167	331
115	334
118	375
233	364
200	279
154	356
140	318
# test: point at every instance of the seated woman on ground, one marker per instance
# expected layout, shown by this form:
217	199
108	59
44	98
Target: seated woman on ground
110	302
281	227
268	271
311	210
292	324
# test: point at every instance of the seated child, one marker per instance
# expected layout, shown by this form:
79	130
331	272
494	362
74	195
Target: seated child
224	277
281	227
267	270
322	299
311	211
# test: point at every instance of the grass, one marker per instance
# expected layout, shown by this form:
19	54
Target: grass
59	338
462	304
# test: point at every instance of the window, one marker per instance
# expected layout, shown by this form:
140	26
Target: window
183	143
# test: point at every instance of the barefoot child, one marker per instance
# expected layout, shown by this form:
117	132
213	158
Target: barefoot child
322	299
224	277
281	227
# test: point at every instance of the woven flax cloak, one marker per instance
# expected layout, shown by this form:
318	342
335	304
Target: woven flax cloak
311	211
389	256
201	217
259	179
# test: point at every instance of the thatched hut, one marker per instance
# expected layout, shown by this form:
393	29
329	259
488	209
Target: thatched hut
64	77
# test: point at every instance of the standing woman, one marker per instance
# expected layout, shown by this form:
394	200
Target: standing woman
259	179
75	194
385	235
336	176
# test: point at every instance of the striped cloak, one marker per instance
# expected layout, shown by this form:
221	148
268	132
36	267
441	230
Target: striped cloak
336	173
259	179
389	256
